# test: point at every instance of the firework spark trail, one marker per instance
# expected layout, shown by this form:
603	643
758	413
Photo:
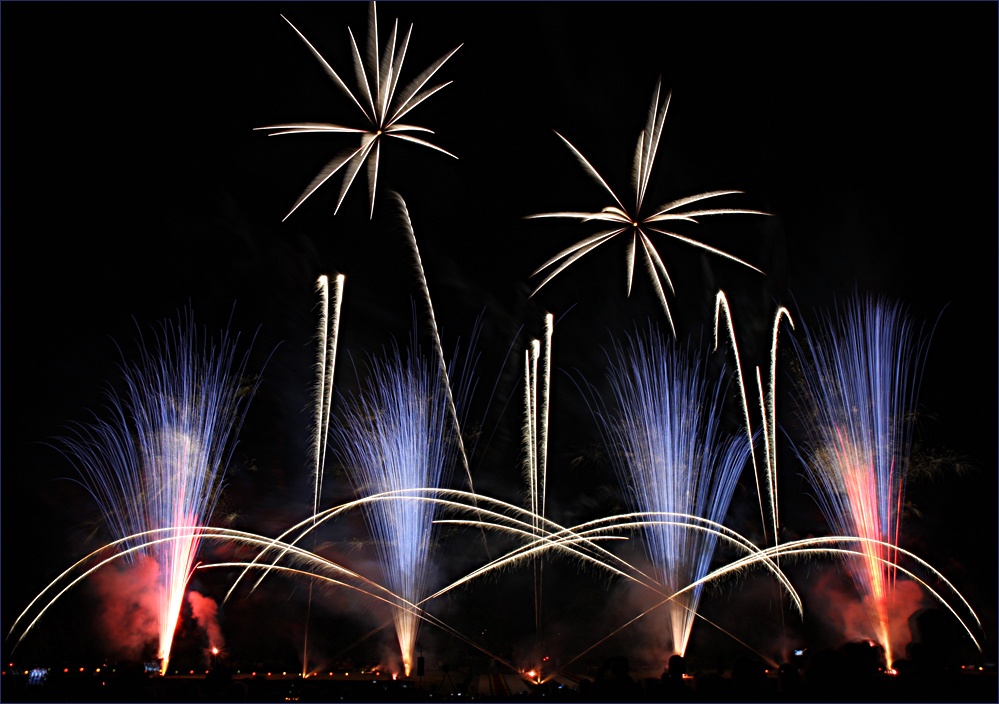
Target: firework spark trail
559	538
768	413
397	435
160	460
316	566
542	422
630	220
325	367
575	542
585	537
407	225
859	385
580	542
438	348
535	433
530	426
531	445
531	460
381	105
546	359
807	547
526	525
141	543
769	410
721	304
668	448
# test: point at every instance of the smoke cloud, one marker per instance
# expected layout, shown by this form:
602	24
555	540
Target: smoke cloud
128	603
205	612
848	615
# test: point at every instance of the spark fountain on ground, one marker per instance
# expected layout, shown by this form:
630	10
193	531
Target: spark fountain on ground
859	380
158	461
667	447
397	436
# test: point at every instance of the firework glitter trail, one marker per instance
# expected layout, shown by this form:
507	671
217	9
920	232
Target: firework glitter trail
380	103
159	462
445	378
860	371
325	367
535	439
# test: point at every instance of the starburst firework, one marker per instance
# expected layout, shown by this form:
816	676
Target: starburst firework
380	102
623	219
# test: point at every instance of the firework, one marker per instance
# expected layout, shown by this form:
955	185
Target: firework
543	410
579	542
325	366
445	378
379	101
398	435
859	381
668	449
624	219
767	405
159	461
539	536
304	563
535	438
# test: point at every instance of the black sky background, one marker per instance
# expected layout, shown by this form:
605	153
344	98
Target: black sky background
135	185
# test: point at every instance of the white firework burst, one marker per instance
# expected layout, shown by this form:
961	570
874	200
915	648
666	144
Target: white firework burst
378	99
623	219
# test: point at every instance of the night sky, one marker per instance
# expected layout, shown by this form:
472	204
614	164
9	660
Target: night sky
135	186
